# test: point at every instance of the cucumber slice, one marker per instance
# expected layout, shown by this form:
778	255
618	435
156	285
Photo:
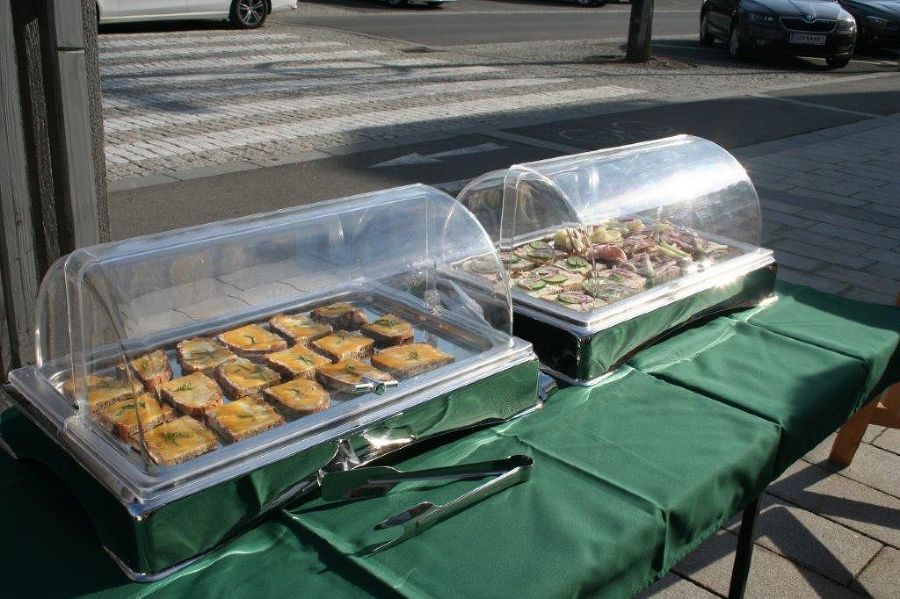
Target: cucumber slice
555	279
577	262
532	284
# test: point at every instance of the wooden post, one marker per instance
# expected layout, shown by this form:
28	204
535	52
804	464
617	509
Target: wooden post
52	175
640	26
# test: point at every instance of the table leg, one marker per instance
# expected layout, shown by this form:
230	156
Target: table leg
744	553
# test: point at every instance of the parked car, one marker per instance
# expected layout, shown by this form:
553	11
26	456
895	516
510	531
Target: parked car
878	22
245	14
819	28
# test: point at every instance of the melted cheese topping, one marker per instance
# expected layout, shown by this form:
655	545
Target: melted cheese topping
404	356
175	441
253	338
351	371
203	354
194	391
247	415
247	376
343	344
390	326
151	365
334	310
102	390
301	395
301	329
298	360
124	415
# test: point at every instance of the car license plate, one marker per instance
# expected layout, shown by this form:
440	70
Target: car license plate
808	39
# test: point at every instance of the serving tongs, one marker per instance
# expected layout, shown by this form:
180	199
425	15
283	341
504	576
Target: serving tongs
375	481
368	384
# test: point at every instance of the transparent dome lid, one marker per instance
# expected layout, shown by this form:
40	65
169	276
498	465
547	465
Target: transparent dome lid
691	182
599	237
137	334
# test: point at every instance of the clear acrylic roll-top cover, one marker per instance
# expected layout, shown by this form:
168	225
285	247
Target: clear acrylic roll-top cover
590	237
187	351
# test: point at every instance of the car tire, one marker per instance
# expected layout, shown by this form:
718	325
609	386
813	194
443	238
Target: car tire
706	38
248	14
735	45
837	62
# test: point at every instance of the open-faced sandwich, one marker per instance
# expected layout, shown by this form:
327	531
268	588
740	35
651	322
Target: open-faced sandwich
125	416
347	374
301	329
298	361
178	441
252	340
202	354
405	361
242	378
389	330
340	315
193	394
243	418
152	369
104	390
299	397
343	344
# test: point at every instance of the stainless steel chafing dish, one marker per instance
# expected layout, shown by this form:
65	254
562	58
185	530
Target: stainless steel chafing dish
168	467
608	251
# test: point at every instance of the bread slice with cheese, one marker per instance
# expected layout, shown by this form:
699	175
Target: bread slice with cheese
298	361
299	397
301	329
340	315
389	330
347	374
202	354
405	361
243	418
193	394
342	345
252	340
152	368
103	390
242	378
178	441
126	416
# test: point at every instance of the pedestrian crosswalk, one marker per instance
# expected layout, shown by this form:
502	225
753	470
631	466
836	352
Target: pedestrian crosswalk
184	100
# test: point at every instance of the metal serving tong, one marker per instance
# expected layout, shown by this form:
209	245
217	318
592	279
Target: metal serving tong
375	481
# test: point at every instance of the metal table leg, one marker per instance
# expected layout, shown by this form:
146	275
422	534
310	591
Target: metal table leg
744	553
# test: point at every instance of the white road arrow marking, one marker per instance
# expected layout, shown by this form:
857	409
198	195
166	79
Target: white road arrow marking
416	158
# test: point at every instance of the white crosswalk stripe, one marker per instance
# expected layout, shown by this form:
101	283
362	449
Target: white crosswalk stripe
230	48
165	118
176	146
175	66
176	101
293	85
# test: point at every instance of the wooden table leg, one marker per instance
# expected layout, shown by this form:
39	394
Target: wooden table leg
851	434
744	554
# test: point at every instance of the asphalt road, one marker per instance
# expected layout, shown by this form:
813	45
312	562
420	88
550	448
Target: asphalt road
471	22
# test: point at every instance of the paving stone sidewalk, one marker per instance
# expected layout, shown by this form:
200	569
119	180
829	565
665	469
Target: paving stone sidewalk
831	207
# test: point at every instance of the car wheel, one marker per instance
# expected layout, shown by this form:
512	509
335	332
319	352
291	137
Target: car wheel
735	46
248	14
706	38
837	62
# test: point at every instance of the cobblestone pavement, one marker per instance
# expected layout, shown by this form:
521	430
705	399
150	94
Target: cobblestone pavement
176	101
831	207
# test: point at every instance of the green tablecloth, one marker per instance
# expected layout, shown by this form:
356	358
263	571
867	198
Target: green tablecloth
629	476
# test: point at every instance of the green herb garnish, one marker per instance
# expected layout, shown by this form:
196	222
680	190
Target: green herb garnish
185	387
173	436
413	355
